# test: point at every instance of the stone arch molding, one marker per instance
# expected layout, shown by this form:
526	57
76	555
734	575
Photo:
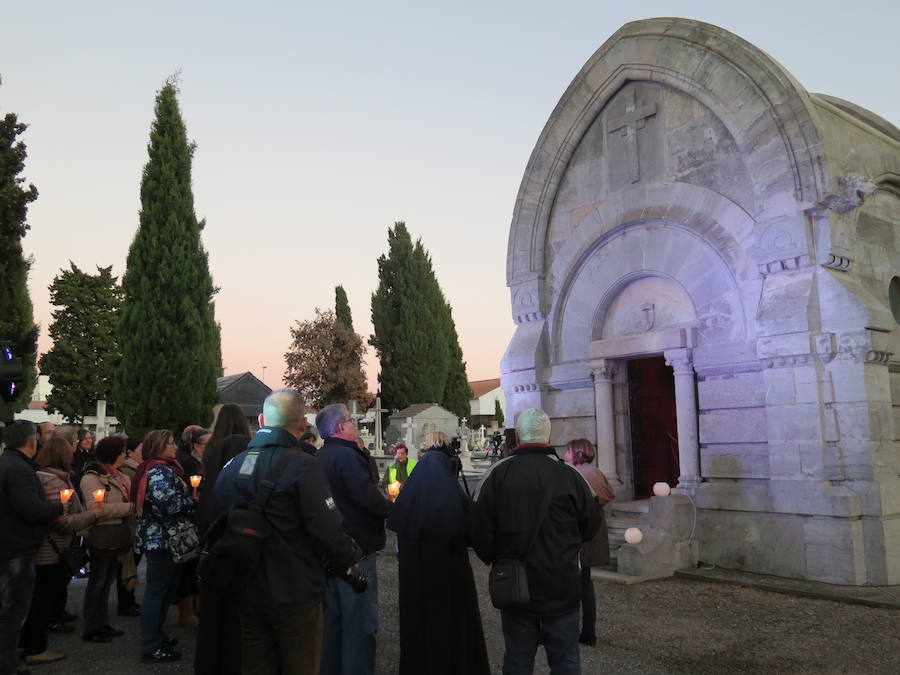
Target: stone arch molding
766	111
687	263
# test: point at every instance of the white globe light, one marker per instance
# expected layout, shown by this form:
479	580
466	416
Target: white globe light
634	536
661	489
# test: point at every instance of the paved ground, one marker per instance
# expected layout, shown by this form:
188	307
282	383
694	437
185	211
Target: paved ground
672	626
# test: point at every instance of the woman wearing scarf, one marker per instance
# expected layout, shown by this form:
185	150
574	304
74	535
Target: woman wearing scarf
108	539
163	499
440	625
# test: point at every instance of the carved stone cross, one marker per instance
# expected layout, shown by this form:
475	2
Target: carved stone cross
629	123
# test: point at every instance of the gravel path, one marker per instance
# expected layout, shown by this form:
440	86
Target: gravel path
669	626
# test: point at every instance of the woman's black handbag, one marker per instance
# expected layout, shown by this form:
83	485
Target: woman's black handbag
73	558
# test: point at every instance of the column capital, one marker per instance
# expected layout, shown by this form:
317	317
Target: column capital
681	360
602	370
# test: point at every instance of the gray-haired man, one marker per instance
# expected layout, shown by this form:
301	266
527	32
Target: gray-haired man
351	619
508	505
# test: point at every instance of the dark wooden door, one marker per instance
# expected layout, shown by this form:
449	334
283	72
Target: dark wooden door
654	435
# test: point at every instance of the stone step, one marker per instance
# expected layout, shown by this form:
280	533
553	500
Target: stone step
637	507
622	523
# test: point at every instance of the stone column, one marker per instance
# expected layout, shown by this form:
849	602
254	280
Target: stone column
686	418
604	414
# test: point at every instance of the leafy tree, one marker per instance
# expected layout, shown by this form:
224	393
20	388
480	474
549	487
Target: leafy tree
323	361
415	337
16	313
342	307
498	412
171	352
85	351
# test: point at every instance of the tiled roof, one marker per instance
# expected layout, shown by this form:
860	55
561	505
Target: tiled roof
481	387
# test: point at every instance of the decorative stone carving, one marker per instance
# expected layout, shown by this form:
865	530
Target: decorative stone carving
837	262
852	190
603	372
789	361
519	388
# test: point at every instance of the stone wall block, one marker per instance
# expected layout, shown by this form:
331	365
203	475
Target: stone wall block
744	460
812	459
749	495
575	403
764	543
741	390
806	382
858	420
789	344
784	459
813	497
742	425
882	541
779	386
835	551
849	381
794	422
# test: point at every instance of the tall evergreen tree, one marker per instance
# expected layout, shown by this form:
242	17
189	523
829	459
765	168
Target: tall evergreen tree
85	351
415	337
342	308
171	353
16	313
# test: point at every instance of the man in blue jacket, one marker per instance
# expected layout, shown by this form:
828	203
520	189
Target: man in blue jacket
281	605
25	519
351	619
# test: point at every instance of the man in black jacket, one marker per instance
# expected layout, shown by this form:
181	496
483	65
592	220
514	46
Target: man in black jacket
351	619
25	518
281	607
508	506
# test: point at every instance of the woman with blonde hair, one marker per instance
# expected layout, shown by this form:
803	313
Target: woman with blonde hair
580	453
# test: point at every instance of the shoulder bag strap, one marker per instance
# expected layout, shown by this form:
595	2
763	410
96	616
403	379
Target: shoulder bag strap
268	485
542	514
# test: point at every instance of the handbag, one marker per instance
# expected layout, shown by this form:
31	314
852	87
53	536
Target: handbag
184	541
73	558
507	581
111	538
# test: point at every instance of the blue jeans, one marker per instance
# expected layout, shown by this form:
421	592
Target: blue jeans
157	593
523	634
351	625
16	587
96	596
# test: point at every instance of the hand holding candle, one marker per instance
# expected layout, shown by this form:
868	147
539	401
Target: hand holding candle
66	495
393	490
99	495
195	483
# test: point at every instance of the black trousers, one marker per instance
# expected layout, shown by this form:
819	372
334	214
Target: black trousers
49	590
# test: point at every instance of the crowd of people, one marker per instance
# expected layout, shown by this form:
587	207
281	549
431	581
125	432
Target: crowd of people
308	603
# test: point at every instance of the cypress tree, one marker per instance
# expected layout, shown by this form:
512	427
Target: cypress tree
415	337
170	341
16	313
85	351
342	308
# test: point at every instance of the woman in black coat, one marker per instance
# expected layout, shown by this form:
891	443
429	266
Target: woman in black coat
219	634
440	624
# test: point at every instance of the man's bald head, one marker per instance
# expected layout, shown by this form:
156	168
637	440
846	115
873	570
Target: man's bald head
285	408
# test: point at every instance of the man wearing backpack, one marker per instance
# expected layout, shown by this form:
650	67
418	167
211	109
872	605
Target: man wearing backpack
281	604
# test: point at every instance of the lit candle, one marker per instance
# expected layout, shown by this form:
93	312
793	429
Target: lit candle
394	490
66	495
99	494
195	483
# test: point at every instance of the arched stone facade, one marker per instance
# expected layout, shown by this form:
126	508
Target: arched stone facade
688	200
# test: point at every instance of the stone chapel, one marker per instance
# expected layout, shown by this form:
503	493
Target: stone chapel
704	268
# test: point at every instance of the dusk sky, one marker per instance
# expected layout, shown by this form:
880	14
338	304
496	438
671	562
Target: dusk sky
319	124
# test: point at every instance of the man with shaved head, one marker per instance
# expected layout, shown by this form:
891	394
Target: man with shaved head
281	609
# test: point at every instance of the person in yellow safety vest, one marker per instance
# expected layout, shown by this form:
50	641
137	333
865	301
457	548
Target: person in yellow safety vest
398	470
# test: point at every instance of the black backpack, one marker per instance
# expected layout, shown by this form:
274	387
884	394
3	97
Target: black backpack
232	546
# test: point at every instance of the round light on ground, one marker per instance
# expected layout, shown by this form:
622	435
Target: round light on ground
661	489
634	536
